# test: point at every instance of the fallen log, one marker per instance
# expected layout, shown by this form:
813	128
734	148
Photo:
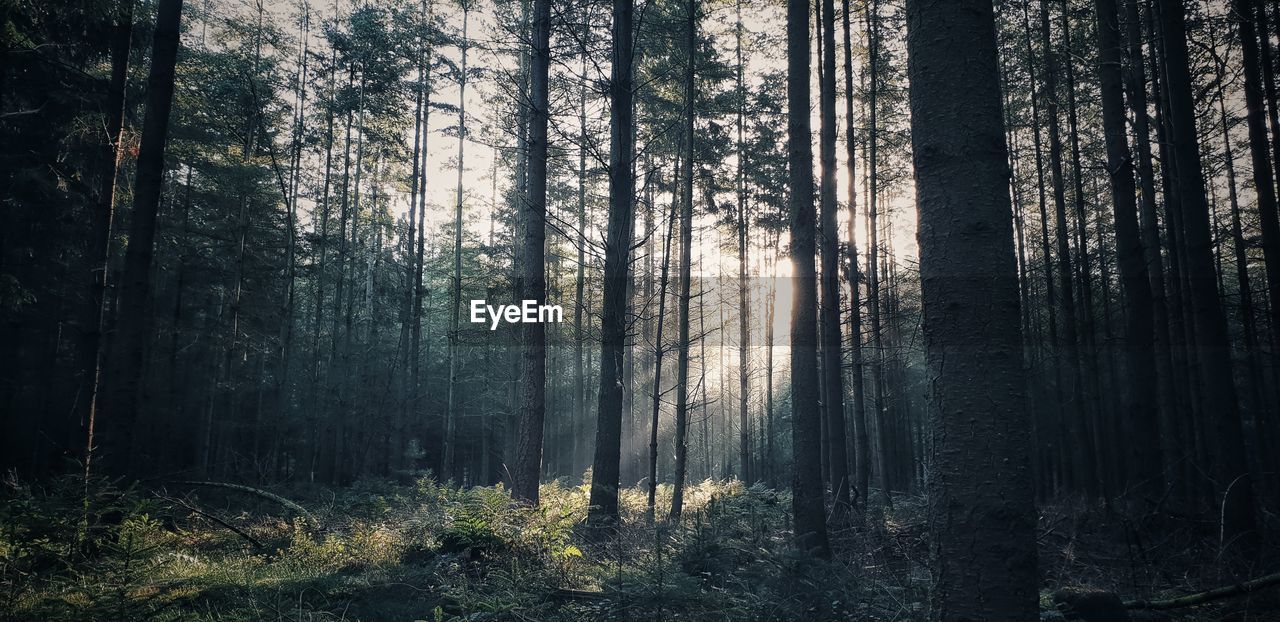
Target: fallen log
1198	598
271	496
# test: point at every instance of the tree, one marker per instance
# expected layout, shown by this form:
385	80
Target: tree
806	424
125	367
533	371
832	353
1218	392
451	414
686	263
981	510
1140	416
862	442
613	333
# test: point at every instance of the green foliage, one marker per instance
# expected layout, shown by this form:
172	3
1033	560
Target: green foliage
427	551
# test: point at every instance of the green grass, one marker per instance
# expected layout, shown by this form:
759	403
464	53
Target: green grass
435	552
421	552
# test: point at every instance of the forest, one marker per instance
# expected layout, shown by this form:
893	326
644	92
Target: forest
954	310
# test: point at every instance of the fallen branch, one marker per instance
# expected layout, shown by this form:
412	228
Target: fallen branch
311	519
236	530
1189	600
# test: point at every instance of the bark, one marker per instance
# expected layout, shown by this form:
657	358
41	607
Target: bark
806	433
533	371
658	352
744	307
862	442
102	221
451	413
981	508
832	356
613	330
686	256
1083	453
1140	416
122	380
1218	393
1268	212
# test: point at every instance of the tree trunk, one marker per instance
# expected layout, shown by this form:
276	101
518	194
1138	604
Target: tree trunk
862	442
1213	347
686	257
744	307
533	372
451	413
613	332
1140	415
122	380
102	221
658	352
1083	454
806	432
981	508
832	356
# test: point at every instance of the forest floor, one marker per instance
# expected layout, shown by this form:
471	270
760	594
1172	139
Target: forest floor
382	551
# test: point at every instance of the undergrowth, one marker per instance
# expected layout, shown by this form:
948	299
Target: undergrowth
436	552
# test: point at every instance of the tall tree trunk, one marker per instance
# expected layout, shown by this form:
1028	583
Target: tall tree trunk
579	302
686	257
1213	347
1267	211
806	432
533	372
659	351
862	442
1255	382
102	222
1096	414
1083	455
744	313
613	333
832	355
873	248
1140	415
451	412
1136	86
981	508
1267	207
123	375
419	289
1057	458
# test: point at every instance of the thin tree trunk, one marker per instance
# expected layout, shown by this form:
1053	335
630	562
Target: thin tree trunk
862	442
744	307
451	413
659	351
102	221
1081	459
686	249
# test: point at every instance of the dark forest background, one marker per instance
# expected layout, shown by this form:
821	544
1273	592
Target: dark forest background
966	275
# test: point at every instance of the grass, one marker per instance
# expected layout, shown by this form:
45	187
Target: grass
435	552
